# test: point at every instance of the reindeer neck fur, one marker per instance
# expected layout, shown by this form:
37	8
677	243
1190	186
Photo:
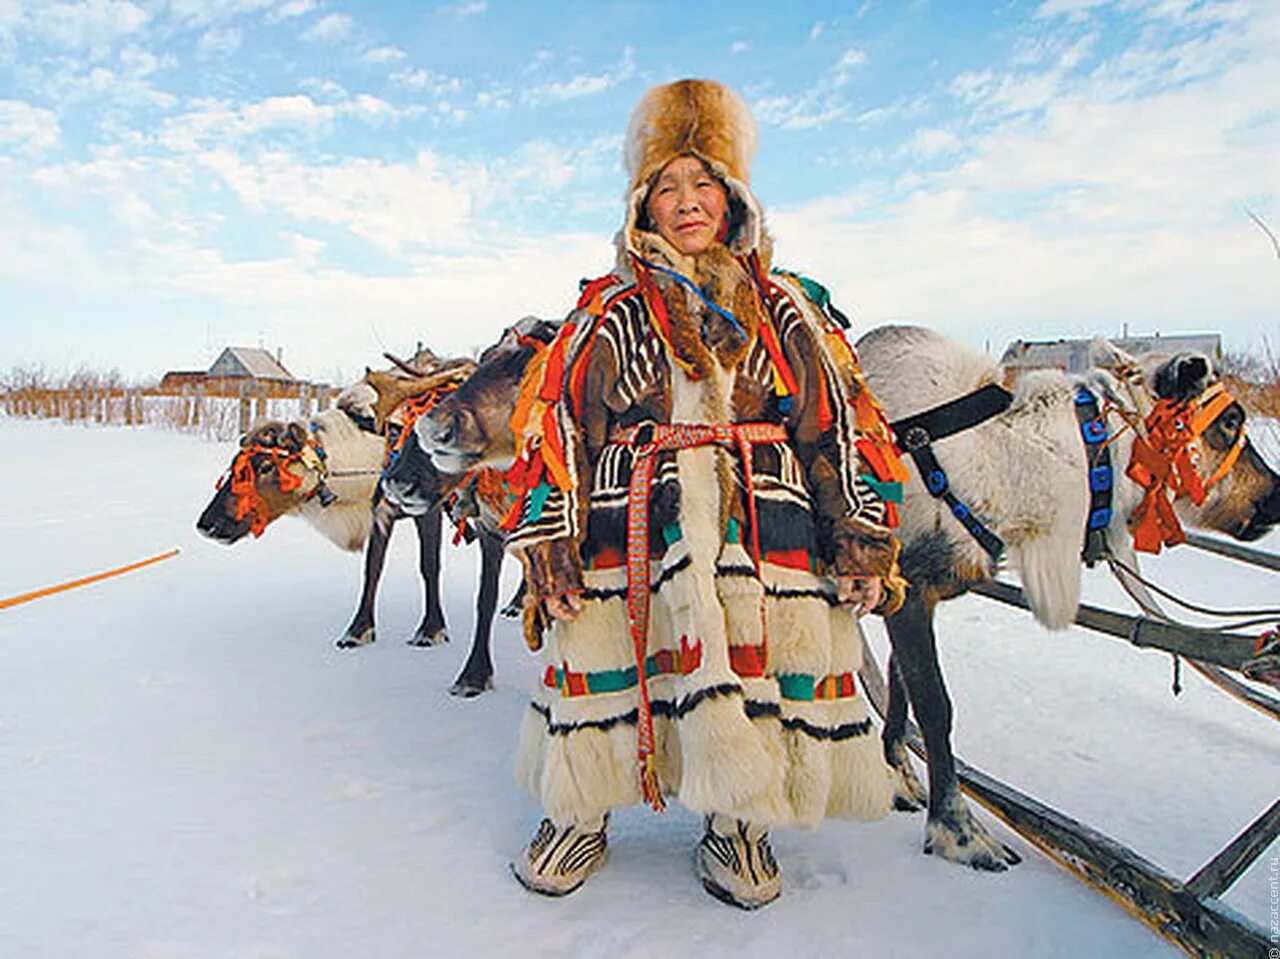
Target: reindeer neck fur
1022	473
348	449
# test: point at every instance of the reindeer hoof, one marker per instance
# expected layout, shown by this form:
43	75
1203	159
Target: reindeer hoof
968	843
469	688
908	793
423	638
352	641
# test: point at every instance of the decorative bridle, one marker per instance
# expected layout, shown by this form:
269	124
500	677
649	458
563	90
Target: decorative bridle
248	464
1165	461
419	405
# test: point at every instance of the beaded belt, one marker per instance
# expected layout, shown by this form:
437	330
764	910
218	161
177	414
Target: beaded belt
648	440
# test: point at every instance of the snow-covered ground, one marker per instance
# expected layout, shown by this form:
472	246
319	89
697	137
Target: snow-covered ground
190	769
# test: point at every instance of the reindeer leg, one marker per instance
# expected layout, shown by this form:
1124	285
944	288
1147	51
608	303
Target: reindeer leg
361	631
952	832
432	631
515	605
477	674
909	795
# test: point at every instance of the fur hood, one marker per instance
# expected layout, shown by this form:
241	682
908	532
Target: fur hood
700	118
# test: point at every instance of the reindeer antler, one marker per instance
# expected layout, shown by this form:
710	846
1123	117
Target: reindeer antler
403	365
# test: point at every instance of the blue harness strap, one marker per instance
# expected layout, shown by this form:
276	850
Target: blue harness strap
1093	430
915	435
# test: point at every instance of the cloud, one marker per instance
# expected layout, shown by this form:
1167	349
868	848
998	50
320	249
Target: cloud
583	84
120	81
220	41
89	23
1071	9
329	28
931	142
202	13
817	30
27	129
214	122
848	62
290	9
383	55
391	206
1083	197
467	8
739	46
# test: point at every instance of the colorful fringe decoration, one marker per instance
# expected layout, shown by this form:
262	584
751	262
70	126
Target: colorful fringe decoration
1165	463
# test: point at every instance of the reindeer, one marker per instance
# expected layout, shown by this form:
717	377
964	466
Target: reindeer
1023	472
414	486
417	485
1025	475
327	471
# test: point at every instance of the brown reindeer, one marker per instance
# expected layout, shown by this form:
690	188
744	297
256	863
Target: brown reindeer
327	471
1024	471
413	485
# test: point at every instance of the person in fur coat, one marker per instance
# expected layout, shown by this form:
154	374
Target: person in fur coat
707	528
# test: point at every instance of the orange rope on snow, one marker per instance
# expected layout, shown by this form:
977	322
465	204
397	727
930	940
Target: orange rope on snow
50	590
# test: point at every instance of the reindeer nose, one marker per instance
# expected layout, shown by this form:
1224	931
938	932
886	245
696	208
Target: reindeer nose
442	432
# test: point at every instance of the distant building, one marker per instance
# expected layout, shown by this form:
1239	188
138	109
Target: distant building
1073	356
242	362
236	367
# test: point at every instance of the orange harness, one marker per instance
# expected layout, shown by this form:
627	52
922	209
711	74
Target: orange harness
648	440
412	410
244	487
1165	461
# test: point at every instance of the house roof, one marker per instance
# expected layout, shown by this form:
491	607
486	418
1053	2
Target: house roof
1034	352
247	361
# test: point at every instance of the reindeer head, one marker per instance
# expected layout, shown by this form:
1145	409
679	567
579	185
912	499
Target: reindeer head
1243	491
274	473
471	427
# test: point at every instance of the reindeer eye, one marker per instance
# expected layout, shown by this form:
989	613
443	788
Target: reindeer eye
264	467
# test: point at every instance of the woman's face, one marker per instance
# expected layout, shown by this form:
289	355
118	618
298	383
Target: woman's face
687	205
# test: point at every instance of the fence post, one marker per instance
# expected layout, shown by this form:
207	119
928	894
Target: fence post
304	401
197	406
261	402
244	408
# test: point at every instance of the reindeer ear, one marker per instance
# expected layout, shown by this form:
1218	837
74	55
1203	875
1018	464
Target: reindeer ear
295	438
1184	376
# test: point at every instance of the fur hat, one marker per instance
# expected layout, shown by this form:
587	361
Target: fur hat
700	118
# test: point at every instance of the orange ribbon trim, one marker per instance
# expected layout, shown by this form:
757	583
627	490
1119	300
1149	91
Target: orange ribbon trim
1165	462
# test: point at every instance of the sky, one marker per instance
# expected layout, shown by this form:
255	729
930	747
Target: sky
335	179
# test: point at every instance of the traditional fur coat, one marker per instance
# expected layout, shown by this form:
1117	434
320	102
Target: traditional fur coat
749	661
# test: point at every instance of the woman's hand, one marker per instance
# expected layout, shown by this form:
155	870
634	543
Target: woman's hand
553	573
863	593
565	605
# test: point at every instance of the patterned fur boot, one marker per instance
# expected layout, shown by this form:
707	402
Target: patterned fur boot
561	858
735	863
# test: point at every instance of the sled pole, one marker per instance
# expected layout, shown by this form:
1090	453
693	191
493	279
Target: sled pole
1208	645
1221	872
1194	920
1254	557
85	581
1198	923
1267	705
